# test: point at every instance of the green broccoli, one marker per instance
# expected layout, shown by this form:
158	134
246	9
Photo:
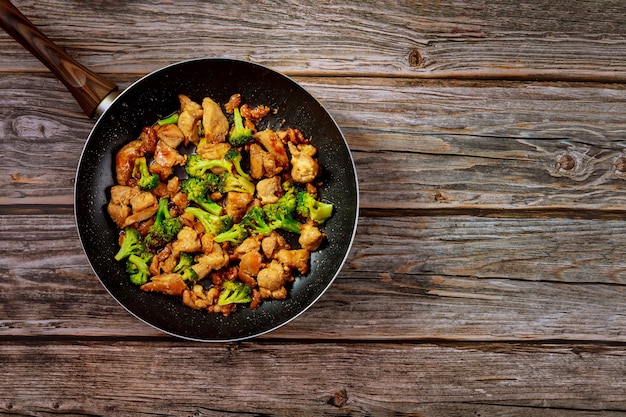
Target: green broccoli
131	244
235	235
239	135
234	156
196	189
137	268
254	222
172	119
308	206
196	166
145	179
234	292
165	227
232	182
279	214
183	267
212	223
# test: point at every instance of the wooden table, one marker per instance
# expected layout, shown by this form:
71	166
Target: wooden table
488	273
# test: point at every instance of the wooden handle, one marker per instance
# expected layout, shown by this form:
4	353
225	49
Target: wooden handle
88	88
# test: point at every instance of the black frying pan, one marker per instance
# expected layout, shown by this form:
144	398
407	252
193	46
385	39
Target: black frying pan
155	96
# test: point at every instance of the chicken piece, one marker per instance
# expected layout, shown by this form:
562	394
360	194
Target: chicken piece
187	240
169	264
148	139
233	102
250	244
272	280
310	237
141	216
304	168
272	144
171	135
142	201
294	259
254	114
269	190
272	243
237	205
165	157
125	161
214	122
262	163
119	205
249	267
198	298
212	261
209	150
171	284
190	114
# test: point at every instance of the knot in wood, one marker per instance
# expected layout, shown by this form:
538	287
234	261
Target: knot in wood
620	164
566	162
415	58
339	398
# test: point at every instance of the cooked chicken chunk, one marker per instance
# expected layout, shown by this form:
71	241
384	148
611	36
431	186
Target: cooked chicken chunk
294	259
304	168
187	240
165	157
237	204
171	284
210	150
272	144
171	135
272	280
272	243
269	190
190	114
310	237
214	122
262	163
211	261
125	160
249	267
119	204
250	244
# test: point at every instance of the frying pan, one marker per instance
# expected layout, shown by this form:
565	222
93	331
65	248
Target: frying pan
121	118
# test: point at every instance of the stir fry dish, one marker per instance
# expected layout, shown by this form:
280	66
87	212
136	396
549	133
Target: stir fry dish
214	211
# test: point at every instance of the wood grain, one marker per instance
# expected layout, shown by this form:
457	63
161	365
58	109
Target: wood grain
289	379
407	278
487	277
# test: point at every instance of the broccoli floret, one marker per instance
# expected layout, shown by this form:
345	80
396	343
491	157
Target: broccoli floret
212	223
131	244
145	179
254	222
196	189
183	267
196	166
172	119
237	183
185	261
137	268
235	235
280	214
165	227
234	156
308	206
239	135
234	292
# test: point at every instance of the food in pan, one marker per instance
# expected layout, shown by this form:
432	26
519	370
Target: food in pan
214	211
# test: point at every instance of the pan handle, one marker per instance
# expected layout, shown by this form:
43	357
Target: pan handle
89	89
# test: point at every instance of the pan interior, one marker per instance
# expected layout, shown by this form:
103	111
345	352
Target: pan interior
156	96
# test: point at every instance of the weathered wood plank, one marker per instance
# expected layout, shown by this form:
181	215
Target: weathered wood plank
444	39
297	379
413	278
438	144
